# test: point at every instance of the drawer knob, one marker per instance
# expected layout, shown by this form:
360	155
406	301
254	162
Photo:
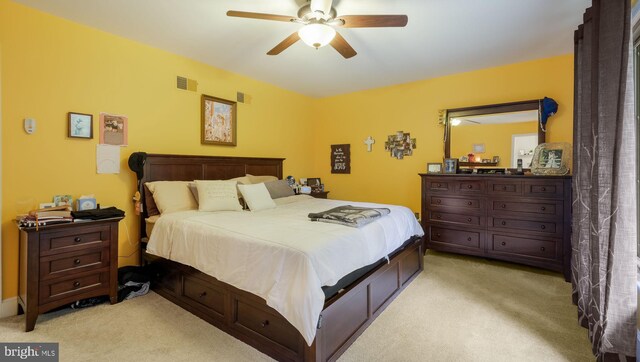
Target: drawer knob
468	219
438	201
203	294
542	248
76	262
469	186
439	185
469	238
76	284
503	243
438	216
469	203
542	227
544	189
504	188
543	208
77	239
265	323
503	206
438	234
504	223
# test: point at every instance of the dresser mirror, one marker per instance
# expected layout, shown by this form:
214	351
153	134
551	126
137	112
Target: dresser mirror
497	135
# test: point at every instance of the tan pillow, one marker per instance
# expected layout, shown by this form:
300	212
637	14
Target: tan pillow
259	179
217	196
242	180
257	197
172	196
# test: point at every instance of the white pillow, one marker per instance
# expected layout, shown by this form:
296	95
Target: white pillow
257	197
172	196
217	196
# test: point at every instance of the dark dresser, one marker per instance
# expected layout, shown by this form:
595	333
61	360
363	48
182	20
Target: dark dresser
63	263
521	219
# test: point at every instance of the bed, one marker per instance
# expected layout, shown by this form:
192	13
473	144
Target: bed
350	305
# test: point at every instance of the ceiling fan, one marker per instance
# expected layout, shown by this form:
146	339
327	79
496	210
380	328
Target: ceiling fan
319	19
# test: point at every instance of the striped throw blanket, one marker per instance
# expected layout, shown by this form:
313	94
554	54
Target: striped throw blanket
349	215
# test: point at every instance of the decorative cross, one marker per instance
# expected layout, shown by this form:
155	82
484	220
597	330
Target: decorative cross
369	142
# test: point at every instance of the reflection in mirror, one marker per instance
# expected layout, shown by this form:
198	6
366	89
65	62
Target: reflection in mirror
495	135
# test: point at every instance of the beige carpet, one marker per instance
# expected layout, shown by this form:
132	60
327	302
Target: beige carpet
458	309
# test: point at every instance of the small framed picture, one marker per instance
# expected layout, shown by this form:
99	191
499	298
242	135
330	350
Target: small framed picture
60	200
496	159
450	165
314	183
552	159
434	168
80	125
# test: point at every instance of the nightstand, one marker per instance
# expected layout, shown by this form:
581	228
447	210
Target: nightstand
320	194
63	263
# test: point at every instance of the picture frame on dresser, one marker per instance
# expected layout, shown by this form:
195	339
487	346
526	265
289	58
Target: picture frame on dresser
434	168
450	165
552	159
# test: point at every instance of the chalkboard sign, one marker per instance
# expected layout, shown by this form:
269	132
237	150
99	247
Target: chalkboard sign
340	158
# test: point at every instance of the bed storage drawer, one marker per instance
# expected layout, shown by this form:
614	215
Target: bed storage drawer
203	295
254	319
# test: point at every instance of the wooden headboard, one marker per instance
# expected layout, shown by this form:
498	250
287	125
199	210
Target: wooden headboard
160	167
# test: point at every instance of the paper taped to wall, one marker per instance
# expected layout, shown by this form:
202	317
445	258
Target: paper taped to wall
108	159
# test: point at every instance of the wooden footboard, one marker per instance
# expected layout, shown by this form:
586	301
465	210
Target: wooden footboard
248	317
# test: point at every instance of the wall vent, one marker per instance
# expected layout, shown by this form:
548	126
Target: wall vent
243	98
240	97
187	84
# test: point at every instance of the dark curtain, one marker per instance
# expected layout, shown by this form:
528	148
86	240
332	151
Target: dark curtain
604	190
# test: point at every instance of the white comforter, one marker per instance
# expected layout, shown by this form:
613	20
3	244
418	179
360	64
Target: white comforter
279	254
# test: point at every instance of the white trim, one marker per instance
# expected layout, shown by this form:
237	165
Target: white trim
9	307
0	171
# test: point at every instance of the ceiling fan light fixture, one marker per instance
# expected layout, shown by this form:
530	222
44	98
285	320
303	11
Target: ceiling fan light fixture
323	6
317	35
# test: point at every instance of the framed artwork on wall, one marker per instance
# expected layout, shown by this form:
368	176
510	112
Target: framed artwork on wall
219	121
113	130
80	125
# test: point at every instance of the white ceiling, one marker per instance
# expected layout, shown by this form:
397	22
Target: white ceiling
442	37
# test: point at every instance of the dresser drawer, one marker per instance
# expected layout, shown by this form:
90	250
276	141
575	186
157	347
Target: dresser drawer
467	203
547	227
204	295
505	188
72	239
60	265
256	320
544	189
527	208
465	238
526	247
57	289
439	186
469	187
452	218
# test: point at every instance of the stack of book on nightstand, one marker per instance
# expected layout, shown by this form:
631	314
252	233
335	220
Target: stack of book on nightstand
48	216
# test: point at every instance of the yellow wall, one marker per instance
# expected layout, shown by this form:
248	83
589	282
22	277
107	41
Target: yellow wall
51	66
495	137
413	107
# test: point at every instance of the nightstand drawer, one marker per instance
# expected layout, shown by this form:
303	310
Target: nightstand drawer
58	289
60	265
72	239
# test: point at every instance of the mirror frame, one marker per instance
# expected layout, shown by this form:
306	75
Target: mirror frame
489	109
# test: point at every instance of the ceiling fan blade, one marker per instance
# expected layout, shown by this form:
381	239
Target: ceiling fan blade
338	43
287	42
374	21
244	14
